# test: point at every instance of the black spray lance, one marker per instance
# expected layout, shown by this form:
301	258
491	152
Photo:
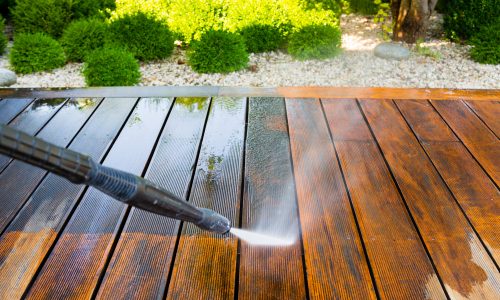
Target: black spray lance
123	186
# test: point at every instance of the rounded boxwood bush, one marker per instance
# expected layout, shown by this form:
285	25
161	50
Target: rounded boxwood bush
315	42
218	51
36	52
111	66
83	36
3	37
144	36
486	44
262	38
49	16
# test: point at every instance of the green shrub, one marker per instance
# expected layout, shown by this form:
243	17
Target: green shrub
218	51
111	66
82	37
36	52
49	16
365	7
486	44
315	42
144	36
3	37
332	5
463	18
92	8
156	8
262	38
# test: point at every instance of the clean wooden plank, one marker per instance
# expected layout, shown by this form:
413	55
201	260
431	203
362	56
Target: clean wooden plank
489	112
10	108
269	207
462	263
31	234
335	262
475	192
19	179
480	141
383	219
87	239
205	263
140	264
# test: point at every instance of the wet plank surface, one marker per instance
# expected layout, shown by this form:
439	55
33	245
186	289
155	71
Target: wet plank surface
371	198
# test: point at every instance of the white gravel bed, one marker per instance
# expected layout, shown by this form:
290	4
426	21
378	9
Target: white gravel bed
355	66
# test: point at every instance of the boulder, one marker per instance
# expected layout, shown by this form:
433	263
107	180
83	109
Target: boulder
391	51
7	77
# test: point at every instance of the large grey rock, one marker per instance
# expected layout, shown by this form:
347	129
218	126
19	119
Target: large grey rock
391	51
7	77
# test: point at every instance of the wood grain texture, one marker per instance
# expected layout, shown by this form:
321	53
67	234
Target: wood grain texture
489	112
335	262
29	237
140	264
20	179
478	138
462	263
383	218
205	263
472	188
73	268
269	207
10	108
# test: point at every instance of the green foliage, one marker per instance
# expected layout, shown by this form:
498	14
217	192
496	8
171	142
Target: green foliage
82	37
156	8
381	17
3	37
36	52
463	18
92	8
332	5
486	44
426	51
315	42
111	66
143	35
262	38
49	16
365	7
218	51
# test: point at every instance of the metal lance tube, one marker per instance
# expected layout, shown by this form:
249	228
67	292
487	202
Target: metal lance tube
125	187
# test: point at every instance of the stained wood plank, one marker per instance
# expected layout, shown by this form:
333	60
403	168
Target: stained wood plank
29	237
489	112
472	188
383	219
10	108
205	263
462	263
480	141
140	264
269	207
20	179
335	262
87	239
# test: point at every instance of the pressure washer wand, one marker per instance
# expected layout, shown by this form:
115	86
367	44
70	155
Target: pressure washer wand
123	186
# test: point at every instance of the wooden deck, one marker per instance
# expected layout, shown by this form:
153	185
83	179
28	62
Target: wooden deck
387	193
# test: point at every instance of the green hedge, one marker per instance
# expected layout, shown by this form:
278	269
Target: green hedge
315	42
3	37
463	18
111	66
83	36
36	52
486	44
262	38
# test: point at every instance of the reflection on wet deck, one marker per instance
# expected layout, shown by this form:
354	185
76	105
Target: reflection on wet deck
388	199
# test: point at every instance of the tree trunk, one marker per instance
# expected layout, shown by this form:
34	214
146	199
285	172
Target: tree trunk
411	18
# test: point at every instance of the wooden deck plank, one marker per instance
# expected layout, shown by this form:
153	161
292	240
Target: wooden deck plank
269	206
86	241
489	112
19	179
31	234
140	263
462	263
205	263
32	119
10	108
478	138
383	219
335	262
473	189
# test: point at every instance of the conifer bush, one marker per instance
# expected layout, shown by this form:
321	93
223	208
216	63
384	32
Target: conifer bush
3	37
83	36
36	52
142	35
486	44
111	66
218	51
262	38
315	42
